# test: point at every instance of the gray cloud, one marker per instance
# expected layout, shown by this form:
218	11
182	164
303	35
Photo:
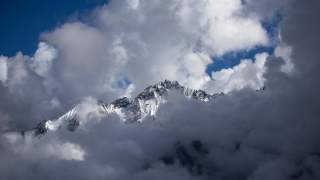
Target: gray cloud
271	134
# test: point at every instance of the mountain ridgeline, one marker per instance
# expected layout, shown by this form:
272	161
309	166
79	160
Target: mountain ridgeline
129	110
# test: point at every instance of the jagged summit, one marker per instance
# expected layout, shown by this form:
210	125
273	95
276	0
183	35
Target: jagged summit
129	110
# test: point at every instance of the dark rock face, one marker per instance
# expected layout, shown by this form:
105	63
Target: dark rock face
73	124
122	102
191	156
41	128
164	87
147	102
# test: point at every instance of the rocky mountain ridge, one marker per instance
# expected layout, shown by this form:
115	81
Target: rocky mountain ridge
129	110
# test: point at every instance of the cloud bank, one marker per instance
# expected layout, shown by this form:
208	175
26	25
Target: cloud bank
125	46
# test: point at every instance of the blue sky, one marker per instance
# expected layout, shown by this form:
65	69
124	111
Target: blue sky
233	58
23	21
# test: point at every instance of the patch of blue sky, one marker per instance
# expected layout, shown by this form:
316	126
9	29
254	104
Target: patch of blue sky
231	59
22	22
123	83
271	25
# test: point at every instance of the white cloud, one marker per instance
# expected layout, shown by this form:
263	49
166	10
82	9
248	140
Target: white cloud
129	90
88	110
192	70
55	103
235	34
66	151
43	57
220	25
118	51
89	59
284	51
14	71
158	41
18	71
28	147
133	4
3	69
246	74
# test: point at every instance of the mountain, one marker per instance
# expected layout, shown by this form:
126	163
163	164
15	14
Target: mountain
129	110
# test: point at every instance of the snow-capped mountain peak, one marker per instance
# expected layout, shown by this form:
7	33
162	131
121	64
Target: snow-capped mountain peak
129	110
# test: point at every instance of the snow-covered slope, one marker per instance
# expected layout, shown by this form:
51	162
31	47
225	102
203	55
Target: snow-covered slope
129	110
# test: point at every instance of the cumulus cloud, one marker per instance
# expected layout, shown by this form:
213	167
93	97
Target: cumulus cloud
247	73
220	26
125	40
42	60
47	148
